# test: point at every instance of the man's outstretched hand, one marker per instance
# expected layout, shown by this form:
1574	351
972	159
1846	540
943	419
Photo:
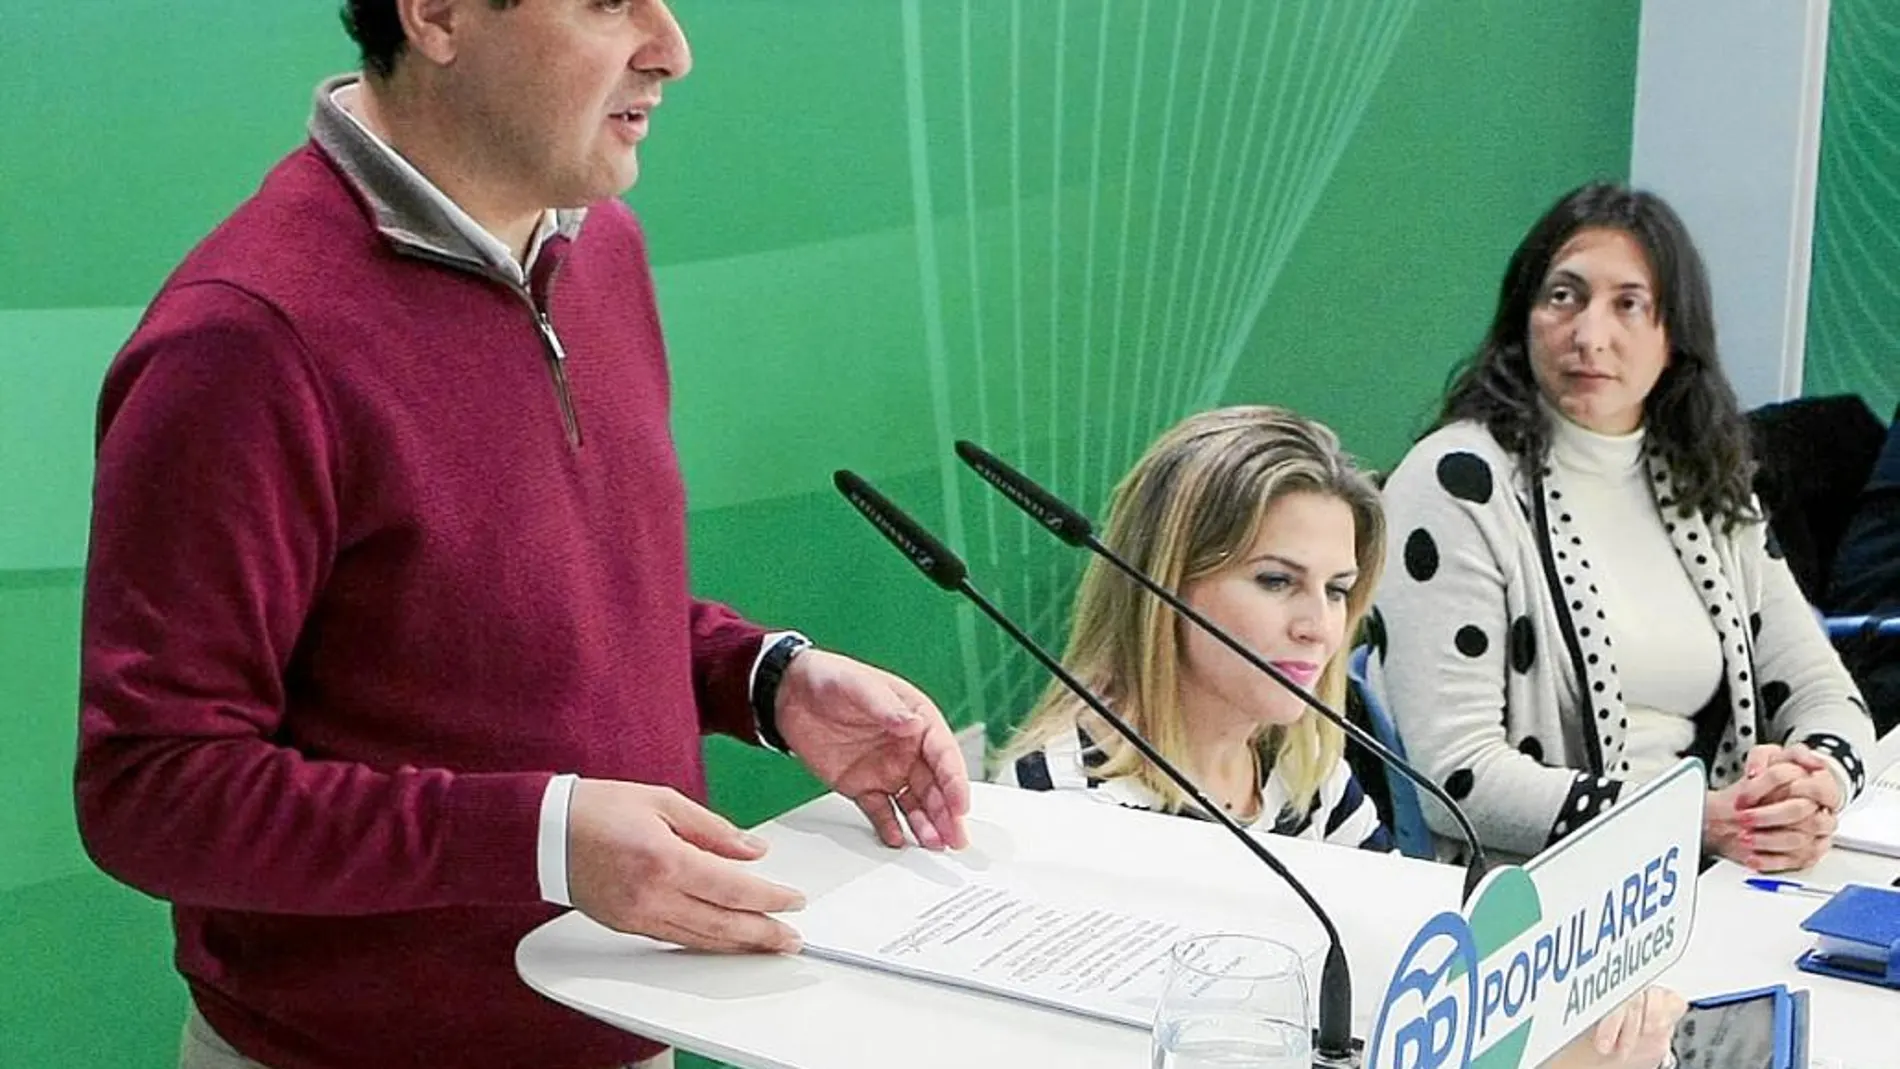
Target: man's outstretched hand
876	739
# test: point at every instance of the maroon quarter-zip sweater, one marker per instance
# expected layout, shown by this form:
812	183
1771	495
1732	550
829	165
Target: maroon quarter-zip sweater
355	593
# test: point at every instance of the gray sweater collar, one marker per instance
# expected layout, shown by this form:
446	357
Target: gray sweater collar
410	210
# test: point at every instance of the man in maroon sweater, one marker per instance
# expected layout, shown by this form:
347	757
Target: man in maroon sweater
388	649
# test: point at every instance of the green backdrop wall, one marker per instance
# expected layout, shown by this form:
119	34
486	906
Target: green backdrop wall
1053	226
1854	298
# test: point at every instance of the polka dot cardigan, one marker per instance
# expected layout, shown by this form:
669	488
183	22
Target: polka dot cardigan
1493	654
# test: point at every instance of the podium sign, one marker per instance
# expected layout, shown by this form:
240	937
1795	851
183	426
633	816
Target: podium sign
1542	951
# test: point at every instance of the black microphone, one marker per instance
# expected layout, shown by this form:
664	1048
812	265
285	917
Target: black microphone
1074	528
1333	1044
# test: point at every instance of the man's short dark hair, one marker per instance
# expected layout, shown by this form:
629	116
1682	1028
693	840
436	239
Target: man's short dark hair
377	30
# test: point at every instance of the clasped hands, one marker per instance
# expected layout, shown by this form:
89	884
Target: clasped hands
1780	815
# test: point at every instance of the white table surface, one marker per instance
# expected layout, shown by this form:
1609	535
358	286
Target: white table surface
766	1012
1745	938
805	1013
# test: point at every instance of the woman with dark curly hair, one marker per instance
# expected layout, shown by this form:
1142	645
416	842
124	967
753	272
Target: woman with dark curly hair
1581	588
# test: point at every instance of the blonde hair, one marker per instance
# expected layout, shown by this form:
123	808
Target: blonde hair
1195	499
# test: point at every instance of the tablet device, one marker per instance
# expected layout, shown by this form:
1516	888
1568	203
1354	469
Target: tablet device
1743	1030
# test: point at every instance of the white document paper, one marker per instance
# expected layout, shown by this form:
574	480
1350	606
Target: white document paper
1094	961
1069	954
1872	823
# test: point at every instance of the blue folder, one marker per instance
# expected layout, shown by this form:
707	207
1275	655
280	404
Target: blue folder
1860	936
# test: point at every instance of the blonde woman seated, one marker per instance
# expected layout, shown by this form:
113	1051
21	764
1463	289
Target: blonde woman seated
1264	525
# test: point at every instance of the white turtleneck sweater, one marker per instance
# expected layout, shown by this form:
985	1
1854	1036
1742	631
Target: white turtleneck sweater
1668	654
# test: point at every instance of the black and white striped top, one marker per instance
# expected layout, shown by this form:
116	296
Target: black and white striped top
1340	813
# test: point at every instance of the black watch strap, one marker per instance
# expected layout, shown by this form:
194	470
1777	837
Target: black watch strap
772	665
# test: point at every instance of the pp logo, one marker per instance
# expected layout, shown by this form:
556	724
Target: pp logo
1430	1016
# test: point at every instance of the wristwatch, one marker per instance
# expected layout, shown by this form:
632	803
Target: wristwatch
772	665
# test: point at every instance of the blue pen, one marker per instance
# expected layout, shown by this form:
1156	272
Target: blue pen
1788	887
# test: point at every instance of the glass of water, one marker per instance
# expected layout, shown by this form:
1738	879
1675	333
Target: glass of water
1233	1002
